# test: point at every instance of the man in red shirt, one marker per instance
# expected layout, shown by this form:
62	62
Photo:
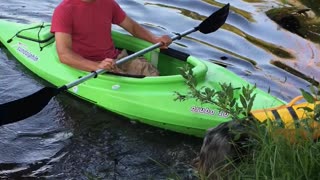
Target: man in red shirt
83	33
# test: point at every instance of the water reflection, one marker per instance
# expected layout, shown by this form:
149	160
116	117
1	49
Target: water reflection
74	139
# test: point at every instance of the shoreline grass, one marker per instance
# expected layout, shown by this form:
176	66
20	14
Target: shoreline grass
275	151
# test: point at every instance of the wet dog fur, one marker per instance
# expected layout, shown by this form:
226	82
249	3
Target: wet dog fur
228	141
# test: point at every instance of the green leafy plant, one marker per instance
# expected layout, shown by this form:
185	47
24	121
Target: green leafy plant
272	156
312	99
226	97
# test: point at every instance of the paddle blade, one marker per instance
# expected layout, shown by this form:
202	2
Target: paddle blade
214	21
20	109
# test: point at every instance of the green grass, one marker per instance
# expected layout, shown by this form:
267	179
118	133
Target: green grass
277	158
274	154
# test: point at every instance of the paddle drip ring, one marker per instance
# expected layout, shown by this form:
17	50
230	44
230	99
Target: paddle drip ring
95	74
179	35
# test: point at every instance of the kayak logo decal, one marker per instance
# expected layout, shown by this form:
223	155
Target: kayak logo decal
202	110
208	111
23	50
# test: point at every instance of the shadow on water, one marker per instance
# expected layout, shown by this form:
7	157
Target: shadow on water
109	146
74	139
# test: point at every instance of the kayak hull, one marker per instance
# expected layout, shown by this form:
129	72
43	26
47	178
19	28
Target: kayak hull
149	100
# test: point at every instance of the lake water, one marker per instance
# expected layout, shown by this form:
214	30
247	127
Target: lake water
71	139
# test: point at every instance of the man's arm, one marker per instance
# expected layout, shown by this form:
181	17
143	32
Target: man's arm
140	32
69	57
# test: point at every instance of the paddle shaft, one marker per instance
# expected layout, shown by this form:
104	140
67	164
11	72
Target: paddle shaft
127	58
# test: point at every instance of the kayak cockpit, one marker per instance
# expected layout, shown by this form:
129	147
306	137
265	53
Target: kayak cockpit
167	61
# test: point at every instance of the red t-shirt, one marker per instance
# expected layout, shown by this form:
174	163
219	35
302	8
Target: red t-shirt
90	26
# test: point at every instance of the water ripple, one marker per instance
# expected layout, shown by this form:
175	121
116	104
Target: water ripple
74	139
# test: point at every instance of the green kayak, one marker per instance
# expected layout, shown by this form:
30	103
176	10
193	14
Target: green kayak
149	100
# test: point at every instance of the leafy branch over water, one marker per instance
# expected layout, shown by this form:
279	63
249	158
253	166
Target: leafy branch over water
224	97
